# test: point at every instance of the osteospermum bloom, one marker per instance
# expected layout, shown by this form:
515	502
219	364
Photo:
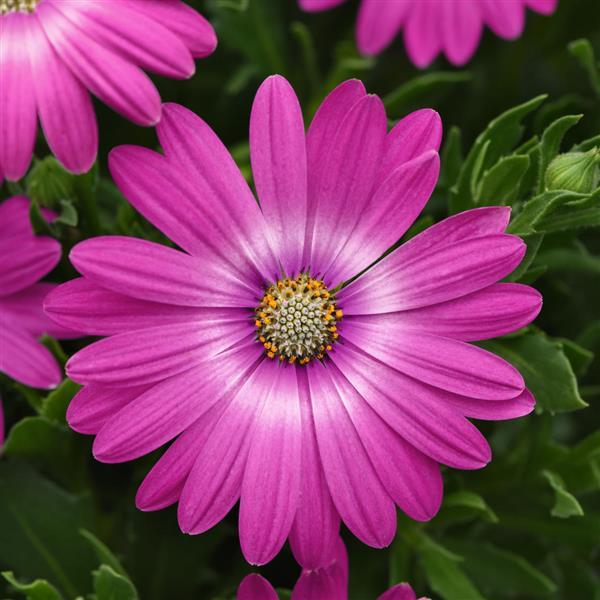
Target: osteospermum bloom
54	53
329	582
431	27
25	259
305	398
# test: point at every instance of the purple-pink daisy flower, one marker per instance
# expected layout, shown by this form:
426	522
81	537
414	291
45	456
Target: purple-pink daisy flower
329	582
54	53
26	258
295	377
433	27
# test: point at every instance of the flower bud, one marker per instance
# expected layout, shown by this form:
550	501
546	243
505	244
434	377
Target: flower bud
48	183
574	171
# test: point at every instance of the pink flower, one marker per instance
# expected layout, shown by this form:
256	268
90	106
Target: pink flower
329	582
26	259
55	52
304	400
432	27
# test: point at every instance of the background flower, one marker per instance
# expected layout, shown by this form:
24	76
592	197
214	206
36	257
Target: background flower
26	258
54	53
346	428
330	582
431	27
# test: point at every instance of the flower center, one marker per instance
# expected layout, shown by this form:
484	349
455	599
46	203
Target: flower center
296	320
9	6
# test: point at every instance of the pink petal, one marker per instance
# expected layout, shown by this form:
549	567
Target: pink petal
461	26
318	5
402	591
25	262
215	481
411	137
150	355
422	36
390	212
64	105
255	587
521	405
25	307
346	180
431	269
271	483
412	479
324	583
323	128
357	492
14	216
117	82
85	306
278	153
94	405
153	272
216	184
314	533
491	312
24	359
190	26
170	407
162	486
17	98
419	413
474	223
442	362
378	23
1	425
133	36
544	7
195	217
506	19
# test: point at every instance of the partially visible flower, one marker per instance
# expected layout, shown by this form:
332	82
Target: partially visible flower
326	583
574	171
26	258
295	378
54	53
432	27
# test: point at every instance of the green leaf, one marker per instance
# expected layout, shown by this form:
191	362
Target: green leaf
582	50
39	589
533	243
587	449
464	505
54	406
498	572
577	214
579	357
452	158
104	553
500	185
40	530
110	585
533	211
498	139
445	575
424	85
545	367
565	504
571	260
51	447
